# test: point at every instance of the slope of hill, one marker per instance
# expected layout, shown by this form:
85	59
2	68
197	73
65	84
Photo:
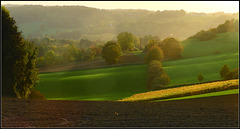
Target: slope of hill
75	22
123	81
223	43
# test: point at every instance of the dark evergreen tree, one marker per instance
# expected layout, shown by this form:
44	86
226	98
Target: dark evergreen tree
19	60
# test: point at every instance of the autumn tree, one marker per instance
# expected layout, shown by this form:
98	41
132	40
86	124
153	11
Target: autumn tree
155	53
171	48
111	52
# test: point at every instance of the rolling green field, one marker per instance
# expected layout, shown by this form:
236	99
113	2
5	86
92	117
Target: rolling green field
119	82
94	84
186	70
123	81
223	43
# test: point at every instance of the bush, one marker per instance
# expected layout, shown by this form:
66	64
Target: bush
234	74
36	95
224	71
159	82
200	77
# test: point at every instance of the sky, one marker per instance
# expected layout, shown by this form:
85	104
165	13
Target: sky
189	6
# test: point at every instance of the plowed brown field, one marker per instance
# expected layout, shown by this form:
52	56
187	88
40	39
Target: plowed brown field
220	111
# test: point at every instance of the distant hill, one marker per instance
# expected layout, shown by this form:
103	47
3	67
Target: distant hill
77	22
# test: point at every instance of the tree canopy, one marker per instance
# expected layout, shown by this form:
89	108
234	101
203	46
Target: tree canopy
111	52
126	40
172	48
19	60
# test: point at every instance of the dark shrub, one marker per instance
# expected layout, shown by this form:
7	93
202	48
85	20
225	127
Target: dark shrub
234	74
36	95
224	71
200	77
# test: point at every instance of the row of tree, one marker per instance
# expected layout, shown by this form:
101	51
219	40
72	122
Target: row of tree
54	51
228	26
169	48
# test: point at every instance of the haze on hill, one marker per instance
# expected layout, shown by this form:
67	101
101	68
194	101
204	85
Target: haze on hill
189	6
80	22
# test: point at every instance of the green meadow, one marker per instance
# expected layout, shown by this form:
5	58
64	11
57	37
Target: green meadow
94	84
114	83
222	44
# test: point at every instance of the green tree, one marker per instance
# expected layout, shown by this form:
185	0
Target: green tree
125	39
200	77
111	52
50	58
19	60
224	71
171	48
136	41
155	53
28	77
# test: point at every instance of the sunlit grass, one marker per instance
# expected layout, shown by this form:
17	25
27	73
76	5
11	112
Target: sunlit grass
185	91
119	82
220	93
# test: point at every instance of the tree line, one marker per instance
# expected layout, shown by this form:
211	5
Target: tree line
74	22
228	26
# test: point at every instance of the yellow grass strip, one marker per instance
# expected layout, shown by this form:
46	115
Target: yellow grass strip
185	91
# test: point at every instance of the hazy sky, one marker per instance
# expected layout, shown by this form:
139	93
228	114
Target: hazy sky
189	6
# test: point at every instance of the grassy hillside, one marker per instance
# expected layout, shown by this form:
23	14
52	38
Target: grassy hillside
223	43
96	84
186	70
123	81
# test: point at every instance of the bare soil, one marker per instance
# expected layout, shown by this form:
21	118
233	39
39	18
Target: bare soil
219	111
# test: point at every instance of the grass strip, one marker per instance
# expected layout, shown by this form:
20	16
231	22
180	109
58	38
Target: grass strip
185	91
220	93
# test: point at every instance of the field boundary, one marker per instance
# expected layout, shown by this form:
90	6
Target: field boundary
184	91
